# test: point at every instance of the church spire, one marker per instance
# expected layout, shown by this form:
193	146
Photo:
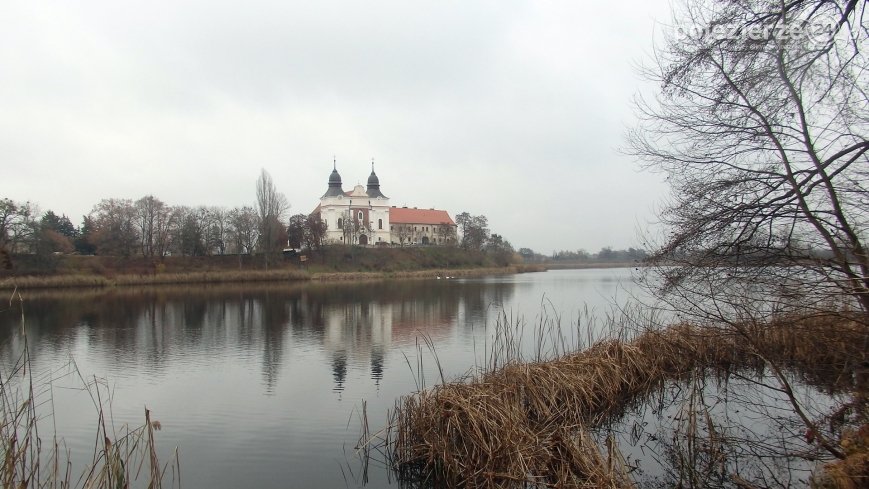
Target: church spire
334	181
374	183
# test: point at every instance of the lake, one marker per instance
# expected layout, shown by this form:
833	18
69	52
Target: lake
261	385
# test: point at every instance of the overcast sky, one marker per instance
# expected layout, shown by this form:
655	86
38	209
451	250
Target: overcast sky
511	109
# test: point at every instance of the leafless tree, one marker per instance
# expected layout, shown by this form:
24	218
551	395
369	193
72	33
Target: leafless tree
116	231
244	229
445	233
151	217
405	234
315	231
761	130
219	229
18	225
272	207
296	230
353	227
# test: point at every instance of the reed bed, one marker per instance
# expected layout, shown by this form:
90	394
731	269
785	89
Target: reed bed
442	273
33	455
527	424
242	276
204	277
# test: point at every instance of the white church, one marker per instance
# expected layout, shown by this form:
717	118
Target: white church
364	217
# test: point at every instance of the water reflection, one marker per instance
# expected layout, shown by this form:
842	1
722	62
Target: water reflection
354	324
256	383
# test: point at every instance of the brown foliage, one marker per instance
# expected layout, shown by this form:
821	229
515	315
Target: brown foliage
529	422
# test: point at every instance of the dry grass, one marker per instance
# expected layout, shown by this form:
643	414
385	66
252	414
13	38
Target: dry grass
205	277
528	423
422	274
121	458
241	276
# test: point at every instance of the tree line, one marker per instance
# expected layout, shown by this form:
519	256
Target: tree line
150	227
606	254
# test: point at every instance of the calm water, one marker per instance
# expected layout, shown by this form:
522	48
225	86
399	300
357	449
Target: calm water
260	385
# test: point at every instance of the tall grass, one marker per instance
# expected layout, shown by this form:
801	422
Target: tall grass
205	277
241	276
32	453
517	422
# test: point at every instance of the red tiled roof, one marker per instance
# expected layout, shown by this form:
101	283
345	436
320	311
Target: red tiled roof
402	215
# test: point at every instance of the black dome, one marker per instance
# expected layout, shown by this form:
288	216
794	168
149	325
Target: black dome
374	184
373	181
334	189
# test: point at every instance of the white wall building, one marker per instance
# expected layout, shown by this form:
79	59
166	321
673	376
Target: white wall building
363	216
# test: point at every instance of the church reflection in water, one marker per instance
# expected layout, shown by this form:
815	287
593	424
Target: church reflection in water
354	325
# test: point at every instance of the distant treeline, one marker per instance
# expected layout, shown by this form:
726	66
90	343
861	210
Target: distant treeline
151	228
125	227
606	255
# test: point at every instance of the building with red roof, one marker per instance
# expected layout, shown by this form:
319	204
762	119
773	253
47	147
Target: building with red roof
364	217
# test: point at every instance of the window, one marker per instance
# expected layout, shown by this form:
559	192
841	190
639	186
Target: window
359	215
340	223
380	224
392	228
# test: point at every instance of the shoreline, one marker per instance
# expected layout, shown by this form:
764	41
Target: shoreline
228	276
91	281
444	433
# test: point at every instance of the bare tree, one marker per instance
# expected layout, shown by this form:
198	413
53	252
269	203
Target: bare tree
151	214
760	128
244	229
475	230
219	229
18	225
272	207
315	231
116	232
296	230
405	234
761	131
353	227
446	233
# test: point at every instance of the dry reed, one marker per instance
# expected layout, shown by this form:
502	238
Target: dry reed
241	276
206	277
122	458
527	424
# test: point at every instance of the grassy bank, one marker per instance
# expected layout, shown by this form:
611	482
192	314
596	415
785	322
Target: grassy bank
530	422
442	273
244	276
214	276
332	263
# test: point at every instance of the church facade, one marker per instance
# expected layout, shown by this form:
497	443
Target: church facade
363	216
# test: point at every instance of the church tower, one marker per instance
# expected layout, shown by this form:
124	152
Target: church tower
358	217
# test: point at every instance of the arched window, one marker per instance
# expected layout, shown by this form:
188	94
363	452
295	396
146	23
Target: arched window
359	215
380	224
340	223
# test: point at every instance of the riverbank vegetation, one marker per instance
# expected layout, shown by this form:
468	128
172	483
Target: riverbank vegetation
33	455
761	269
328	263
544	422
